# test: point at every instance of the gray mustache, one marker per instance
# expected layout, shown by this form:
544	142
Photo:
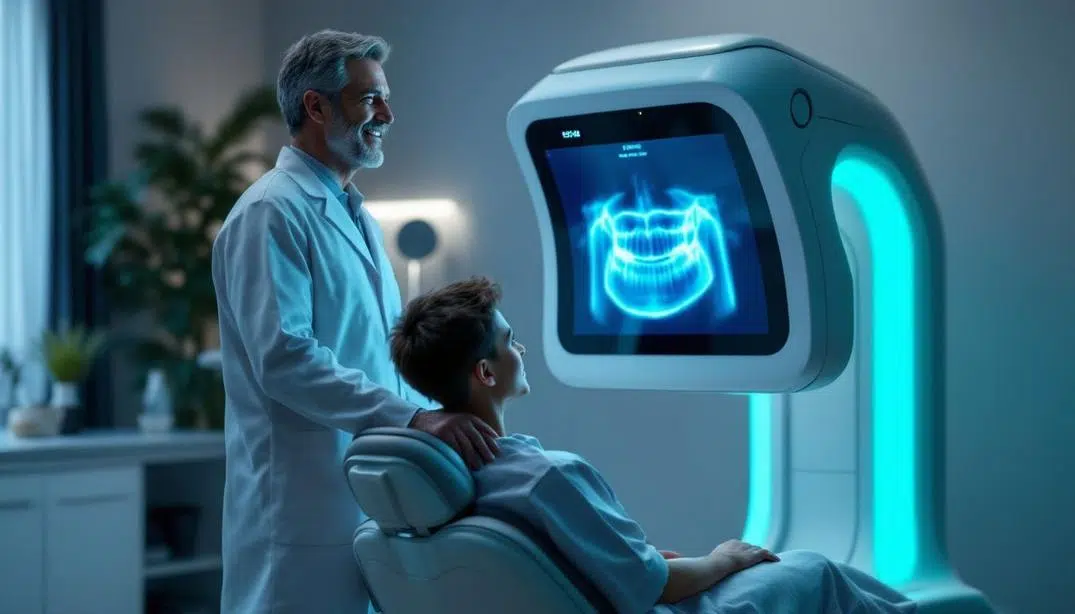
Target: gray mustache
383	127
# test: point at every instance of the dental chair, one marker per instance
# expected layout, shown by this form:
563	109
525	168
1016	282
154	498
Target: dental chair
426	549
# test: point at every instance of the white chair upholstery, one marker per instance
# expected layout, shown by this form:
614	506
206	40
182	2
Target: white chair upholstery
427	550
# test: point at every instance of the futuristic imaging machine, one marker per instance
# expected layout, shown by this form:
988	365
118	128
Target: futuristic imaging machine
726	214
716	214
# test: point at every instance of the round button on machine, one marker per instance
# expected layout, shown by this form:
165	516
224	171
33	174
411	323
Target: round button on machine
802	109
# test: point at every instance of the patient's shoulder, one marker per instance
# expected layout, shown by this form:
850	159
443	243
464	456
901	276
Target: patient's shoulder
521	451
524	474
522	446
520	441
521	464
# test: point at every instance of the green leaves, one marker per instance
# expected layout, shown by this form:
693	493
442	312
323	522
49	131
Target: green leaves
165	121
69	354
150	234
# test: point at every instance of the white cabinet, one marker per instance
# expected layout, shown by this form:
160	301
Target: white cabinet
93	541
22	536
73	516
71	542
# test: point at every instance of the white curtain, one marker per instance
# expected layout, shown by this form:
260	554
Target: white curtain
25	188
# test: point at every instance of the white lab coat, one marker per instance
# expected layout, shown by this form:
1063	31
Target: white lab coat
305	310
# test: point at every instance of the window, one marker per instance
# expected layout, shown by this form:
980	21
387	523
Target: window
26	202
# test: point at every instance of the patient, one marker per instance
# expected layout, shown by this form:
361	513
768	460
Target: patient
455	346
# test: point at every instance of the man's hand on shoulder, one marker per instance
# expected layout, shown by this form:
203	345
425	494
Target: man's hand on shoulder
468	435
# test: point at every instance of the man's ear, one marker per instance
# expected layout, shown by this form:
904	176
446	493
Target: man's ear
315	106
483	371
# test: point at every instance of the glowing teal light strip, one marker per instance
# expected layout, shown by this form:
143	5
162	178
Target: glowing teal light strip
760	501
894	383
895	368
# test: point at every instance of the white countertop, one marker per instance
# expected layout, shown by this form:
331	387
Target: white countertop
109	445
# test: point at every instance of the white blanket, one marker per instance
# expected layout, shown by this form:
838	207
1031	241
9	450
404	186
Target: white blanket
803	582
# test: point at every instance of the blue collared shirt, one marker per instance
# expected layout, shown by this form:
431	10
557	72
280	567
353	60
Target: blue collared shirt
332	183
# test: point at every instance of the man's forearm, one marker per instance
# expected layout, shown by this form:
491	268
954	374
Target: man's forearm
264	281
689	576
305	377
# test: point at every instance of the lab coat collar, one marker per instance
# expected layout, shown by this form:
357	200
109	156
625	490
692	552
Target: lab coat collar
308	181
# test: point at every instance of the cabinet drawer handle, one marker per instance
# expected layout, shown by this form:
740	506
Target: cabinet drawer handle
91	499
23	504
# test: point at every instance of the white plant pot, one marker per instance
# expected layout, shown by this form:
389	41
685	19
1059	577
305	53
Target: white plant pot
35	421
64	394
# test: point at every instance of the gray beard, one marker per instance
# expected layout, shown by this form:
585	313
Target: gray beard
349	144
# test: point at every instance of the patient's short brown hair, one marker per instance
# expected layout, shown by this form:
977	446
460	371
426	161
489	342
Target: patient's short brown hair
442	335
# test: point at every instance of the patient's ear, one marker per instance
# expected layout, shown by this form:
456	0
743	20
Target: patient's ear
483	371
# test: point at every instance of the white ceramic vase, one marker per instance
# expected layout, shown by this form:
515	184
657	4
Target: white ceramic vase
64	394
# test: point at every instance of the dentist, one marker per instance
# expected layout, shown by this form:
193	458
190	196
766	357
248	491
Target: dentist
306	299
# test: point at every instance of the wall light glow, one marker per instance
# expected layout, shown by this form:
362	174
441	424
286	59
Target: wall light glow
429	209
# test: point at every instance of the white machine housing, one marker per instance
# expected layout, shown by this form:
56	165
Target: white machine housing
847	458
761	85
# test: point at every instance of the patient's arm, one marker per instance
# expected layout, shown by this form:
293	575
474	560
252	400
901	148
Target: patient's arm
590	527
689	576
578	510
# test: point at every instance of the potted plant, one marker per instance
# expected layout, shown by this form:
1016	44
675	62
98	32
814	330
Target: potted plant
11	370
152	238
68	357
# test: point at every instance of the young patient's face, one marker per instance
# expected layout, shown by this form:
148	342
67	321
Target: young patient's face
507	368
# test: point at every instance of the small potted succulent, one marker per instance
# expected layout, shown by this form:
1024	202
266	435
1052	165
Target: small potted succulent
68	356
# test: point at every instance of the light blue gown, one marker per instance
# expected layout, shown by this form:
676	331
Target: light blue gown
563	495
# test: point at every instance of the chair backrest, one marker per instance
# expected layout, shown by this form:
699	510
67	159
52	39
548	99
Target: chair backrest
427	549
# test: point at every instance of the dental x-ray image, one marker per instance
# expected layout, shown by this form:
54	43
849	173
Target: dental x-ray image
662	240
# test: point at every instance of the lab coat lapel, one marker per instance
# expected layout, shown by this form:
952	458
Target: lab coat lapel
339	217
387	289
331	208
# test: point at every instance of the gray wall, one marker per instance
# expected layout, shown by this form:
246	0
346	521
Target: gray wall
984	91
195	54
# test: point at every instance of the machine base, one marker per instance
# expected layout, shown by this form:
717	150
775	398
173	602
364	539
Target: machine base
949	597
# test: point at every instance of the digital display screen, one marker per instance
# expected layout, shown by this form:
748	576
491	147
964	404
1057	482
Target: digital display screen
664	240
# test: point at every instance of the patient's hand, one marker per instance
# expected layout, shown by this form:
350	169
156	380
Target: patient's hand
741	555
669	555
688	576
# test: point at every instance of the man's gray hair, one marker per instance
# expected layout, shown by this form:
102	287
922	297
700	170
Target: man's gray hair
319	62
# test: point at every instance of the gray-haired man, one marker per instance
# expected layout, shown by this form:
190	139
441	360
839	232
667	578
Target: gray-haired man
306	299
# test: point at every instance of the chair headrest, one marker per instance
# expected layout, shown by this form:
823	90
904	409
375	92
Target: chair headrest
407	480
